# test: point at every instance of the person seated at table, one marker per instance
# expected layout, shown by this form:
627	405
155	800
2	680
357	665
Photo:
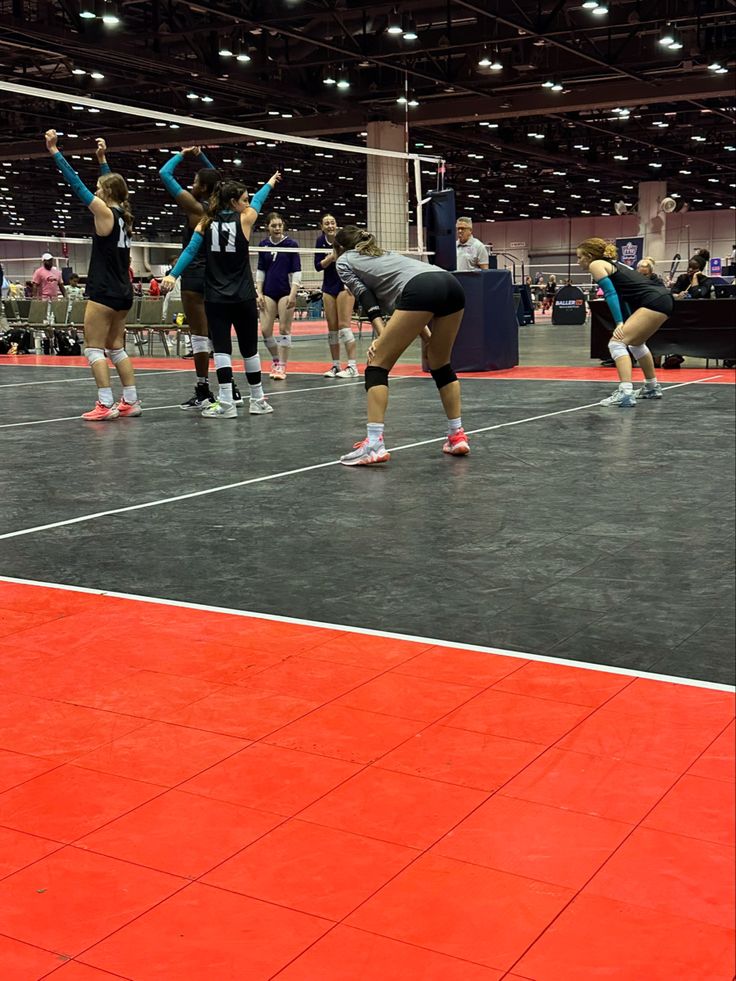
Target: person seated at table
646	268
693	284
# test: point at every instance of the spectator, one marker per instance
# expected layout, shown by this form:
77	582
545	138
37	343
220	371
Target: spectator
471	254
74	290
646	268
28	290
549	293
47	282
693	284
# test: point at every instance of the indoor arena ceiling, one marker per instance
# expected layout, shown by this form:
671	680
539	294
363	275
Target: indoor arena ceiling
619	106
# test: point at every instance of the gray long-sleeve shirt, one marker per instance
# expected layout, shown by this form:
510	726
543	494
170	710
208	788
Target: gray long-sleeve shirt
385	276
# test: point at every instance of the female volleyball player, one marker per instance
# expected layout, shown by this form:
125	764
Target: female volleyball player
337	301
108	284
277	280
229	292
413	293
193	203
650	304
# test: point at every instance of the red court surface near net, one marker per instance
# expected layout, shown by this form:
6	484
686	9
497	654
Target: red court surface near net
717	375
195	795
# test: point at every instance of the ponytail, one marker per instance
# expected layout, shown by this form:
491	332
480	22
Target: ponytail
115	188
352	237
598	248
222	194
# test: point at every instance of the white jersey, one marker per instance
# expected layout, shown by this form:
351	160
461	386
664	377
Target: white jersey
471	255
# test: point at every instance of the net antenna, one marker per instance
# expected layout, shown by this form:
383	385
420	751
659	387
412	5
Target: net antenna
390	180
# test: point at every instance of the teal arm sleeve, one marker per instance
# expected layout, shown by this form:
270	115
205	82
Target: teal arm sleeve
171	184
259	198
105	169
73	179
205	162
195	244
609	291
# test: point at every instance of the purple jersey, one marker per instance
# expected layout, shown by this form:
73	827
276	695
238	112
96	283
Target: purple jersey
277	266
331	282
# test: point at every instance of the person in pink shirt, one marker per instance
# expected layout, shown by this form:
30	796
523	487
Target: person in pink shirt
47	282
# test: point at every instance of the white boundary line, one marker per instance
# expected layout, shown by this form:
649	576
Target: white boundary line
141	372
175	405
291	473
389	635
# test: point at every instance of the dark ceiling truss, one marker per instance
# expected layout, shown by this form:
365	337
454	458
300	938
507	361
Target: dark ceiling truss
165	48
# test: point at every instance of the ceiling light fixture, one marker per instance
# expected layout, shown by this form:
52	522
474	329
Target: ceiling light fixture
226	49
668	37
600	10
394	23
484	61
110	15
410	29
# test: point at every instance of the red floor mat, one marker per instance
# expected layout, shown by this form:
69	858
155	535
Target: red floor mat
228	797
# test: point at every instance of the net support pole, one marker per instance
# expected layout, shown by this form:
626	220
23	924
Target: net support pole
388	211
419	204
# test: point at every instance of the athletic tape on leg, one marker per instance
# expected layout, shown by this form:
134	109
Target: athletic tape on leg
346	335
284	340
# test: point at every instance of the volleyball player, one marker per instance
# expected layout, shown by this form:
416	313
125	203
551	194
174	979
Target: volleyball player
108	284
193	204
650	307
229	291
337	301
414	293
278	277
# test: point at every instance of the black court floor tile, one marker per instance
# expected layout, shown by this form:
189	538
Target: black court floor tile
592	535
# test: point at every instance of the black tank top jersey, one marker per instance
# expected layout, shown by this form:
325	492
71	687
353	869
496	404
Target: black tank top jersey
109	263
197	263
228	278
633	288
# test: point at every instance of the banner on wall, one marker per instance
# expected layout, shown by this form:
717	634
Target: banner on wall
716	267
630	250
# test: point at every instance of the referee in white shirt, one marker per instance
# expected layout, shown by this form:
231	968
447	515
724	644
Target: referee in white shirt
471	254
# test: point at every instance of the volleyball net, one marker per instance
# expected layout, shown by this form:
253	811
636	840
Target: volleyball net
378	189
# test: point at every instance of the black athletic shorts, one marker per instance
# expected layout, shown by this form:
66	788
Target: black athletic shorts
116	303
661	304
192	281
438	292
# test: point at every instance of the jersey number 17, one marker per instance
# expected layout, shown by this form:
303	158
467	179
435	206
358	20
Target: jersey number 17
228	228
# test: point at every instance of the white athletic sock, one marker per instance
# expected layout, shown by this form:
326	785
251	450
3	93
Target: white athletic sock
454	425
256	392
627	387
130	394
651	382
335	364
104	397
375	432
352	363
201	380
225	393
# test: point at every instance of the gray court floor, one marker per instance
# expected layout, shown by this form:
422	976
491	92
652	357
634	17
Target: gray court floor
575	531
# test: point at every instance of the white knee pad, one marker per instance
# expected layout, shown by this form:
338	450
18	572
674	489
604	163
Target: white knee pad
284	340
116	354
223	361
271	344
253	364
201	345
639	351
333	337
346	335
617	349
93	354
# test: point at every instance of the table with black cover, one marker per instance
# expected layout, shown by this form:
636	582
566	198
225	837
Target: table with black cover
488	339
697	328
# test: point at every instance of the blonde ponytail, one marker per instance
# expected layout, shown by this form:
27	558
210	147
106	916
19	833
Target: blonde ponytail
598	248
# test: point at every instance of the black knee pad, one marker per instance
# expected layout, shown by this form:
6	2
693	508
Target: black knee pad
443	376
375	376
